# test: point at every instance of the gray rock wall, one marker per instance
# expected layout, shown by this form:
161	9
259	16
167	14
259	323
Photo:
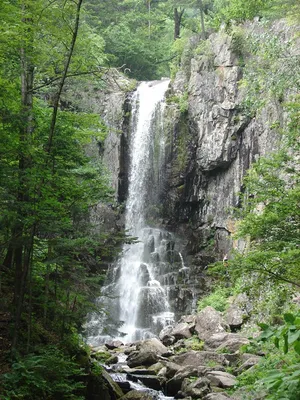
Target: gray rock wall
219	144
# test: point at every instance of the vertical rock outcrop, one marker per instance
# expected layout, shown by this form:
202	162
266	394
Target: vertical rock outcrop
212	145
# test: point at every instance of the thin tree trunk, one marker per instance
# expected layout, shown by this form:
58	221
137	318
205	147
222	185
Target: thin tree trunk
177	22
203	33
64	76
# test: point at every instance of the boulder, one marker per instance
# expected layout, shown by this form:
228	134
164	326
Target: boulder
152	345
234	317
217	396
173	385
112	360
221	379
114	344
238	311
197	389
248	364
232	345
171	369
188	319
155	368
197	358
216	340
181	331
138	358
168	340
208	322
114	389
166	331
151	381
136	395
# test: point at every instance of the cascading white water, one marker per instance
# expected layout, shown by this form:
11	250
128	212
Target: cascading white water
148	98
146	279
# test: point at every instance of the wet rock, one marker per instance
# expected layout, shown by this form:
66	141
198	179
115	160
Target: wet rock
197	358
221	379
154	257
143	274
151	381
149	248
114	389
188	319
208	322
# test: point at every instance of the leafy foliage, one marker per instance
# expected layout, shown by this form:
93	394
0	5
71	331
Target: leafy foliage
48	375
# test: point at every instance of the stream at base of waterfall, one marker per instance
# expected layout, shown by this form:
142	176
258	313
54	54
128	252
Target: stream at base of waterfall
137	287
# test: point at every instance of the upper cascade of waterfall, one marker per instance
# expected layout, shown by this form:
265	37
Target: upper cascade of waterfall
147	98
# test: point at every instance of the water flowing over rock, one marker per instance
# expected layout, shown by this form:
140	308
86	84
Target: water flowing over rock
139	282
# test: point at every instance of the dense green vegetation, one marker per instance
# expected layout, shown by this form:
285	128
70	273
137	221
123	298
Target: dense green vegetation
51	257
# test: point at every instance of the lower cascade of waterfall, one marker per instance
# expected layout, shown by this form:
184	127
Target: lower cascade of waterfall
137	291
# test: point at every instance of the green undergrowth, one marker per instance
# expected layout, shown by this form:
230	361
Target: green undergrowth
49	373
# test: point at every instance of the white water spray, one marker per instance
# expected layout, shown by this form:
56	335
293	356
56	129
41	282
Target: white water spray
136	278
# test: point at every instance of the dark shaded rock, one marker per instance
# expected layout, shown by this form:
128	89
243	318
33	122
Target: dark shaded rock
138	358
208	322
171	369
114	389
168	340
112	360
114	344
144	275
151	381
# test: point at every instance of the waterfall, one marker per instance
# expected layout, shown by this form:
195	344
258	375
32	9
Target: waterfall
141	280
137	286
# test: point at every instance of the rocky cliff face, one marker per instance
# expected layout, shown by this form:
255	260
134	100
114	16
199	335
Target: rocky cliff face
211	146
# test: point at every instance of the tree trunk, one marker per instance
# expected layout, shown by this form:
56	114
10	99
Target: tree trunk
203	33
177	22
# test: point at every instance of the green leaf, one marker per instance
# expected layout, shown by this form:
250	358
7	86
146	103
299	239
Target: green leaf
297	347
289	318
293	336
